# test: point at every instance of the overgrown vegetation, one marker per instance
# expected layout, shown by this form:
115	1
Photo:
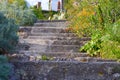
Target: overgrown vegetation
17	11
21	3
4	68
8	34
69	8
99	20
38	12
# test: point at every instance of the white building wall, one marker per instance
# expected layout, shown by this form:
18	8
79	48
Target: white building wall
44	4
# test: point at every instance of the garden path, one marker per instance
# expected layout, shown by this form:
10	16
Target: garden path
49	51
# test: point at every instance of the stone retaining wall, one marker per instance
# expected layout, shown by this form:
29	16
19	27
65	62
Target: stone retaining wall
48	70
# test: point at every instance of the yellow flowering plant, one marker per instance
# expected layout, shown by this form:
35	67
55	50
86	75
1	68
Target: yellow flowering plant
98	19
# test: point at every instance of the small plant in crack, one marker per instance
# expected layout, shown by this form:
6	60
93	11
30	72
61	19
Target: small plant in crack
44	57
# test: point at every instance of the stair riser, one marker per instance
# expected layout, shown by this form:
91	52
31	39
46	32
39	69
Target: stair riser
50	54
51	48
44	29
57	38
69	42
66	71
52	37
51	21
56	48
39	34
56	24
53	34
53	42
49	30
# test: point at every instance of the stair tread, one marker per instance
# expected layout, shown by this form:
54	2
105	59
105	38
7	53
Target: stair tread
55	42
63	54
57	37
51	33
50	38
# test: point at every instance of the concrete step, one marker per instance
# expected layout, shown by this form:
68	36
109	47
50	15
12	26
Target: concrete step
50	54
66	70
46	21
49	48
57	38
54	42
53	37
38	57
49	30
53	34
55	48
51	23
56	24
56	56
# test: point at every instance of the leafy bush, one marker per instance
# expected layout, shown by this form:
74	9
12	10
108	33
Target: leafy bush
4	68
111	42
38	12
93	47
71	9
59	16
106	22
8	33
21	3
79	14
100	20
21	15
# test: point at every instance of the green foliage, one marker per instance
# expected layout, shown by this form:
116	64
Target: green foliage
93	46
49	15
8	33
4	68
114	31
59	16
106	21
21	15
110	50
27	17
101	20
45	57
21	3
38	12
111	42
70	8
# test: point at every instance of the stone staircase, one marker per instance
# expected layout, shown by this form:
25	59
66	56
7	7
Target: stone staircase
48	51
51	39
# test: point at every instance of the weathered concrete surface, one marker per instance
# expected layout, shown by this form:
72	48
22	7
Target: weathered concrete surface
52	36
51	39
55	23
53	70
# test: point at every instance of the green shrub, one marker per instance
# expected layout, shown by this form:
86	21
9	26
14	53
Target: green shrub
93	46
58	16
106	22
111	42
45	57
4	68
21	2
21	15
114	31
98	19
110	50
38	12
8	33
28	17
43	14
